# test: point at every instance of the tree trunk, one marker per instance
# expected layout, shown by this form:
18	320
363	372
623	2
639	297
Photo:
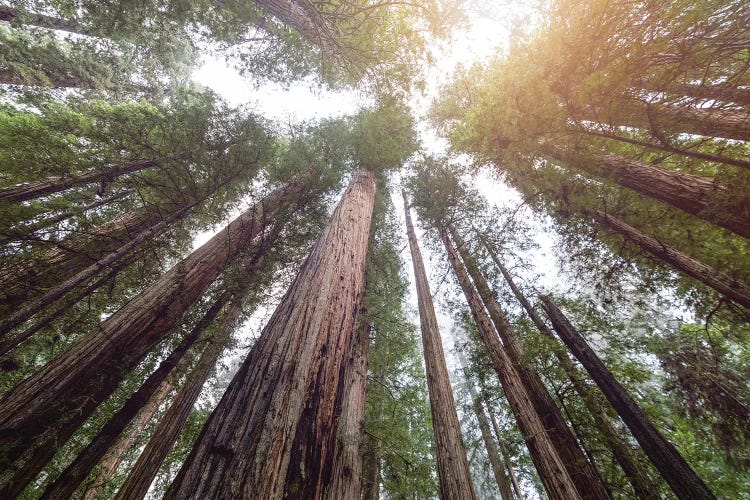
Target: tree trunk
371	479
12	15
9	77
493	453
694	194
731	288
273	433
672	119
581	471
638	478
452	464
67	483
674	469
112	460
42	412
173	422
37	189
503	449
346	482
552	471
735	95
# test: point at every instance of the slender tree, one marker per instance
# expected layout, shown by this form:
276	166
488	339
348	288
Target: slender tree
674	469
550	467
582	472
49	406
453	467
274	432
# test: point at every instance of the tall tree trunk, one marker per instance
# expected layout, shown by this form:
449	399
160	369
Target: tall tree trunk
581	471
13	15
42	412
672	119
638	478
347	465
694	194
452	464
173	422
112	460
552	471
37	189
372	457
674	469
736	95
274	431
493	453
76	472
731	288
503	449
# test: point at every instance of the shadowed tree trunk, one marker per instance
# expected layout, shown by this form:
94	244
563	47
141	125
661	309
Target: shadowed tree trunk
347	465
731	288
371	479
581	471
503	449
667	118
638	478
274	432
694	194
674	469
37	189
493	453
557	482
42	412
13	15
736	95
452	464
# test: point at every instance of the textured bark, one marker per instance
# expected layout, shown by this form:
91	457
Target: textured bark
371	479
694	194
581	471
452	464
731	288
42	412
555	478
346	482
173	422
37	189
81	467
665	118
493	453
736	95
638	478
273	433
109	464
674	469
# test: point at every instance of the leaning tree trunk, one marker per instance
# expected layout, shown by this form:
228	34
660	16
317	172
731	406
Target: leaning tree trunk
674	469
273	433
37	189
694	194
493	453
729	95
638	478
42	412
553	473
731	288
347	465
581	471
13	15
672	119
107	468
173	422
452	464
503	449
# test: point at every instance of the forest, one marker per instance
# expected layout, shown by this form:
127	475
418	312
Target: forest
374	249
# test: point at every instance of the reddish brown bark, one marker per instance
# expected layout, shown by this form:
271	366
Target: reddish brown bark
42	412
674	469
555	478
504	453
638	478
273	433
51	185
452	464
731	288
694	194
347	465
582	472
